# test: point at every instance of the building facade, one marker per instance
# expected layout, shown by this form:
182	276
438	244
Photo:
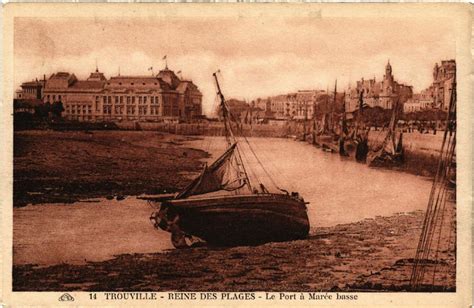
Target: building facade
297	105
444	76
382	94
31	90
438	94
136	98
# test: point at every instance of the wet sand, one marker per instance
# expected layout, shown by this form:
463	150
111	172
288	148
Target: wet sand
333	258
54	166
371	255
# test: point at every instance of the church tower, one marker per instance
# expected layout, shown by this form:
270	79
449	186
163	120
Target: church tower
388	78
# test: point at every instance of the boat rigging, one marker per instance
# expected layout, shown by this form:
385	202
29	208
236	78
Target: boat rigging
224	207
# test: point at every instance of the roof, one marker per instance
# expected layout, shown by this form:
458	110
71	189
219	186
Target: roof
87	85
169	77
185	85
32	84
97	76
134	82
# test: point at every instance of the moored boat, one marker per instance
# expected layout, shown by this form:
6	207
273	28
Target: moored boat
224	207
390	152
240	219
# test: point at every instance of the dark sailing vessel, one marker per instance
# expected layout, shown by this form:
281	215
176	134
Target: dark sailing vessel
357	141
223	207
390	152
326	138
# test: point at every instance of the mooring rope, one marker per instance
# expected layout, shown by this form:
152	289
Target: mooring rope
436	209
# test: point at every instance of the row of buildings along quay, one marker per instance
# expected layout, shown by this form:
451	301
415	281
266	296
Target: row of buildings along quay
382	93
166	97
135	98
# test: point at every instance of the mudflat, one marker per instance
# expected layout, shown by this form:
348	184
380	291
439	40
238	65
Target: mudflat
55	166
61	167
333	259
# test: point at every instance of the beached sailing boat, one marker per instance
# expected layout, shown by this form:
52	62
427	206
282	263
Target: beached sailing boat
326	137
357	141
390	152
224	207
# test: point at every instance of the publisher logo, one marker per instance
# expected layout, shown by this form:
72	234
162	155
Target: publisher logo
66	297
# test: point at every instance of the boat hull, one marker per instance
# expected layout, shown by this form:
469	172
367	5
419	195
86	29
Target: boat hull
241	220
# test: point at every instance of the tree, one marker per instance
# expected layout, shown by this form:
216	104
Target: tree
56	109
42	110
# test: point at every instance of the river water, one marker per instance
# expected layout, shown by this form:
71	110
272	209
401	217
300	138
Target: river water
339	191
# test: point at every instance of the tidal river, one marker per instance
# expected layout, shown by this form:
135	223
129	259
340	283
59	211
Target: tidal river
339	191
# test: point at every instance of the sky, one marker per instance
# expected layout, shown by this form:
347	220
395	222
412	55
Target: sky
256	56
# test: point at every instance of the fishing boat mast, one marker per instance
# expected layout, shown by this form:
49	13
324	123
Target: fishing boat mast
333	105
305	119
315	126
344	120
230	136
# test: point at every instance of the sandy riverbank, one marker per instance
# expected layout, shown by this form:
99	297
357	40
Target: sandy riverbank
52	166
65	167
335	258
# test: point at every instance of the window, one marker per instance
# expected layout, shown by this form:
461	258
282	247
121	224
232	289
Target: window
133	99
144	100
139	100
132	83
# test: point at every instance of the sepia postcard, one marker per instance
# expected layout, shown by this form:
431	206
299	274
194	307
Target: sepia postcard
236	155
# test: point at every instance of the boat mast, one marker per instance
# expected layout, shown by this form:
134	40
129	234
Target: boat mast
230	137
359	112
333	106
314	119
344	124
305	119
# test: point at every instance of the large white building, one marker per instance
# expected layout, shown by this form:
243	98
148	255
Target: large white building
138	98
